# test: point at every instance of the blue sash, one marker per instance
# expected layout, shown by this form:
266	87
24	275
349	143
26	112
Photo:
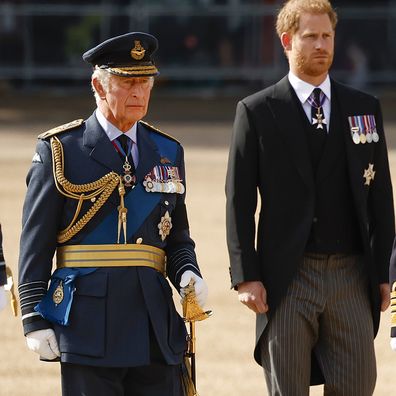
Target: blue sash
139	202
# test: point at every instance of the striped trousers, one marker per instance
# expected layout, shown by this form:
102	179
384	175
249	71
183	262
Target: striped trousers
326	311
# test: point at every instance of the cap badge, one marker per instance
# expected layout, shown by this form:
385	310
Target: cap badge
137	52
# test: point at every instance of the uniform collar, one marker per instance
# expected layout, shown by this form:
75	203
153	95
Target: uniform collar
112	131
304	89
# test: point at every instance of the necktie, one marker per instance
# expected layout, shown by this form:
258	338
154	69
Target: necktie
123	139
125	153
127	146
316	100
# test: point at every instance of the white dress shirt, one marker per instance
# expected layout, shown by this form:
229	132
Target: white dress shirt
113	132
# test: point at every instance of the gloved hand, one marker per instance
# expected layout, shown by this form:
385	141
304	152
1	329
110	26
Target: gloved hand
3	298
393	343
44	343
201	289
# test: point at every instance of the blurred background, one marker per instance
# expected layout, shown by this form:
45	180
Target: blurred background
207	47
212	53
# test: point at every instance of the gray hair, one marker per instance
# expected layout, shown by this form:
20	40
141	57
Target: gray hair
104	77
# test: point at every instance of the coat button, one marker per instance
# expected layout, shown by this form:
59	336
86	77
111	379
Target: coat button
139	241
315	220
166	203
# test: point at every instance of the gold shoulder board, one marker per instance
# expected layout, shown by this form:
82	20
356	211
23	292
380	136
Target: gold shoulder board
153	128
61	128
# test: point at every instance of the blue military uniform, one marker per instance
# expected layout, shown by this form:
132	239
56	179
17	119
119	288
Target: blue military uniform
112	307
118	232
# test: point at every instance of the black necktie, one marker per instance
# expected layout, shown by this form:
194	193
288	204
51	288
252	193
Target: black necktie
123	139
316	101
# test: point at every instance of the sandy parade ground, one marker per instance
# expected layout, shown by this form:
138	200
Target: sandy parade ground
225	341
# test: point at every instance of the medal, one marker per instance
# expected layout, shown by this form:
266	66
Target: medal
58	295
369	174
319	120
128	178
164	179
363	129
316	100
165	225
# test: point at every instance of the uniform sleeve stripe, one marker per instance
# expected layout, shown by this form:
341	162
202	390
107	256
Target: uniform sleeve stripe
30	303
184	266
31	296
30	315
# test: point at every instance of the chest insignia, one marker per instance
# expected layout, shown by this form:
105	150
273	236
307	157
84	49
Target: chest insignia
165	225
369	174
363	129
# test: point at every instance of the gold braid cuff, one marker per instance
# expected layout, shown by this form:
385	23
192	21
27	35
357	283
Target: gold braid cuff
393	305
98	192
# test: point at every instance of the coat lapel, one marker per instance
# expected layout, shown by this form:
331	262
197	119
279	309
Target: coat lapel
148	153
353	159
284	106
101	150
99	146
332	153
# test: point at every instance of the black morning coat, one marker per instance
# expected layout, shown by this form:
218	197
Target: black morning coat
113	308
269	154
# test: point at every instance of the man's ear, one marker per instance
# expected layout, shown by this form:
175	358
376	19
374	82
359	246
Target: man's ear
99	88
286	41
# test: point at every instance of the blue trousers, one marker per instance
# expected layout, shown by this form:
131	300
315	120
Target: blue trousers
157	379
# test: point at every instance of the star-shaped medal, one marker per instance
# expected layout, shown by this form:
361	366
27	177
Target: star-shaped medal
165	226
369	174
319	120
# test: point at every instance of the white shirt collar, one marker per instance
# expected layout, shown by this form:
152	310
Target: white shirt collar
304	89
112	131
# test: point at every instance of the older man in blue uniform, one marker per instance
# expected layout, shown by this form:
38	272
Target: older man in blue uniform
108	196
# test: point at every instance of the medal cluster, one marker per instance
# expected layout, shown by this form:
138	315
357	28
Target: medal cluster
363	129
164	179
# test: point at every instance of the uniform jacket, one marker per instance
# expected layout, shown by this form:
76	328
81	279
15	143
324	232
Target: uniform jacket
112	307
269	154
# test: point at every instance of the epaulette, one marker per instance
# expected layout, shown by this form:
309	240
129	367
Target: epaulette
153	128
61	128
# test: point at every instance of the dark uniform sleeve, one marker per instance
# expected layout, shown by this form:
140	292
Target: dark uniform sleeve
382	222
241	192
180	247
40	223
3	275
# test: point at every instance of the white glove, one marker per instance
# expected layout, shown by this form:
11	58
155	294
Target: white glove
201	289
44	343
393	343
3	298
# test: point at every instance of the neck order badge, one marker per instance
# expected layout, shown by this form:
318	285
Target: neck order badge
316	100
123	145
